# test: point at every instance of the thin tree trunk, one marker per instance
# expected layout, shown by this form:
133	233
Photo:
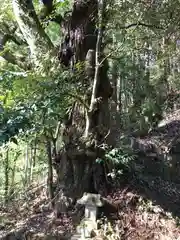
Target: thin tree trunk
11	192
34	153
118	94
115	106
50	169
98	62
26	178
30	165
6	173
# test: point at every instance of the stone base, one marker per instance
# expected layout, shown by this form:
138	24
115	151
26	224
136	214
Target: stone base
85	229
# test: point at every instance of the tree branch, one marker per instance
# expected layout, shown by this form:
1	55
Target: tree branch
16	40
39	42
49	9
141	24
77	97
11	31
7	55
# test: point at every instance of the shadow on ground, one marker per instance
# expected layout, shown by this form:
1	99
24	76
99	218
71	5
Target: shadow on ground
155	173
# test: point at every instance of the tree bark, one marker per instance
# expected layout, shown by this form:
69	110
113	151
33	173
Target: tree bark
7	55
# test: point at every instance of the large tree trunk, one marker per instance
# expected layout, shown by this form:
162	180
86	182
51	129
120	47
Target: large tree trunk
88	125
76	165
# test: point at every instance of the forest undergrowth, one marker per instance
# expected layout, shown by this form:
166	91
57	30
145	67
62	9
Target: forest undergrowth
140	214
136	218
